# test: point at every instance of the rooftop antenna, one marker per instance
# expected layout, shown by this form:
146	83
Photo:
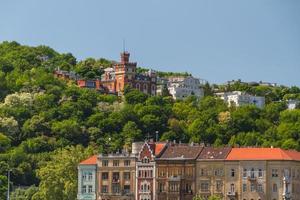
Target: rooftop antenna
123	45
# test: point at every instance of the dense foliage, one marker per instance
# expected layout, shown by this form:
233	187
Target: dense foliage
48	125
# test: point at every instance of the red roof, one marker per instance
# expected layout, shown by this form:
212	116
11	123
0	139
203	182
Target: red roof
159	147
90	161
262	154
293	154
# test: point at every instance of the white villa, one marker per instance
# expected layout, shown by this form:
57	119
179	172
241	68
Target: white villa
239	98
182	87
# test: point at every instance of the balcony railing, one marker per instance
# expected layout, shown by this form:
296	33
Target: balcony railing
231	194
115	180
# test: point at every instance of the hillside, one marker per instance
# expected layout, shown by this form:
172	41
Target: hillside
48	125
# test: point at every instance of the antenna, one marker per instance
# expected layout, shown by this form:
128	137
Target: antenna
123	45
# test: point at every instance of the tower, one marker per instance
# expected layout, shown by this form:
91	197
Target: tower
125	72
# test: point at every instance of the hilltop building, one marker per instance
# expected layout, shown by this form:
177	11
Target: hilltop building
170	171
182	87
116	78
239	98
293	104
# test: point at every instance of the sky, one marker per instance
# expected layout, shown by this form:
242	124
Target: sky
215	40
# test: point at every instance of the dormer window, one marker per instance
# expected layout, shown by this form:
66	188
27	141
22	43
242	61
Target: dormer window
145	160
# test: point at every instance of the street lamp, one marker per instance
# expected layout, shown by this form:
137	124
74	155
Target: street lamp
8	184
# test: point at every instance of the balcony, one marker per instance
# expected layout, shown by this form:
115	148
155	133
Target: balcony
115	180
174	178
231	194
144	191
252	177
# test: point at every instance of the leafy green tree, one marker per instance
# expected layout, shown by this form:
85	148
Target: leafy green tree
70	131
131	133
24	194
59	175
5	143
135	97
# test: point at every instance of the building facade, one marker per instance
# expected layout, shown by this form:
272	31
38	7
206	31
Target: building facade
238	98
211	171
116	176
125	73
176	172
170	171
87	179
182	87
145	168
115	78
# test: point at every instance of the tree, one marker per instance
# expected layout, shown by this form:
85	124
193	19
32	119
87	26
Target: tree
131	133
5	143
58	177
70	131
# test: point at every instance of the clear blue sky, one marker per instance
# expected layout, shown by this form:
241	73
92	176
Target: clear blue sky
216	40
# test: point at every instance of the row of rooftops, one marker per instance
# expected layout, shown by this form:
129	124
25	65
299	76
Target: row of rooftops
171	151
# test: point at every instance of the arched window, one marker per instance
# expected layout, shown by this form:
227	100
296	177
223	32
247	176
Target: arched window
137	86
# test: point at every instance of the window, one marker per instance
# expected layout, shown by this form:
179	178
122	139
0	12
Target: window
104	189
90	190
232	188
274	187
245	173
260	173
202	172
219	185
84	175
252	187
83	189
244	187
127	175
127	189
115	188
104	175
104	163
127	163
232	172
116	176
218	172
188	188
145	160
252	174
204	186
115	163
274	172
90	176
174	187
259	188
161	187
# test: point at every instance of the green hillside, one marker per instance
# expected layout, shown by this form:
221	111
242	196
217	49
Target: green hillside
48	125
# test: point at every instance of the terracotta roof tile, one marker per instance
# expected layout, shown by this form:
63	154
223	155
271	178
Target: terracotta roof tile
293	154
159	147
181	151
210	153
262	154
90	161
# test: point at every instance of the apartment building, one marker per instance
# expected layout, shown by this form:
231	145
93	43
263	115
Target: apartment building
239	98
116	176
176	172
211	171
145	168
170	171
87	179
182	87
262	173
